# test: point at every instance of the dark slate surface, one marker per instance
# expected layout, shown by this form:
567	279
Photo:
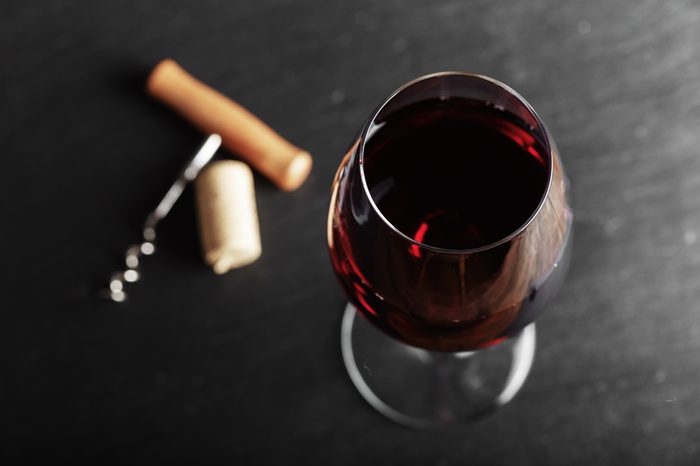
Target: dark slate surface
245	368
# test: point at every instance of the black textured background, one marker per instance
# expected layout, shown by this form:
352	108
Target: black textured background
245	368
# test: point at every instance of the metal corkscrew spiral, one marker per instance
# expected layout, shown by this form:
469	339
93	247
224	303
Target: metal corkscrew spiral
134	253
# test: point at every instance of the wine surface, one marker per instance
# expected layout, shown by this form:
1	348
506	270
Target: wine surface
454	174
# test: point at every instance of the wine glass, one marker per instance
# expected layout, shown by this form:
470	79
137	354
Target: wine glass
449	230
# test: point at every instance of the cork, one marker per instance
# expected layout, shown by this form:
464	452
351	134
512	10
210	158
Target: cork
227	215
242	132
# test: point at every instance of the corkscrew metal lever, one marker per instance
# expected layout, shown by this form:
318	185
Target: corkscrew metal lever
132	259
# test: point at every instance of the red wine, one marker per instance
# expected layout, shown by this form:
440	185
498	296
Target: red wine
434	262
455	174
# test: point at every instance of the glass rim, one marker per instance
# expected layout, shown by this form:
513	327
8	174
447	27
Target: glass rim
547	143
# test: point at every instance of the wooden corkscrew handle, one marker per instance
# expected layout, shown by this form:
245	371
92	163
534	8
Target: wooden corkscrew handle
242	133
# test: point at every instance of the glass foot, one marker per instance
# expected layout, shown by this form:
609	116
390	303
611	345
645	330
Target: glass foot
430	389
